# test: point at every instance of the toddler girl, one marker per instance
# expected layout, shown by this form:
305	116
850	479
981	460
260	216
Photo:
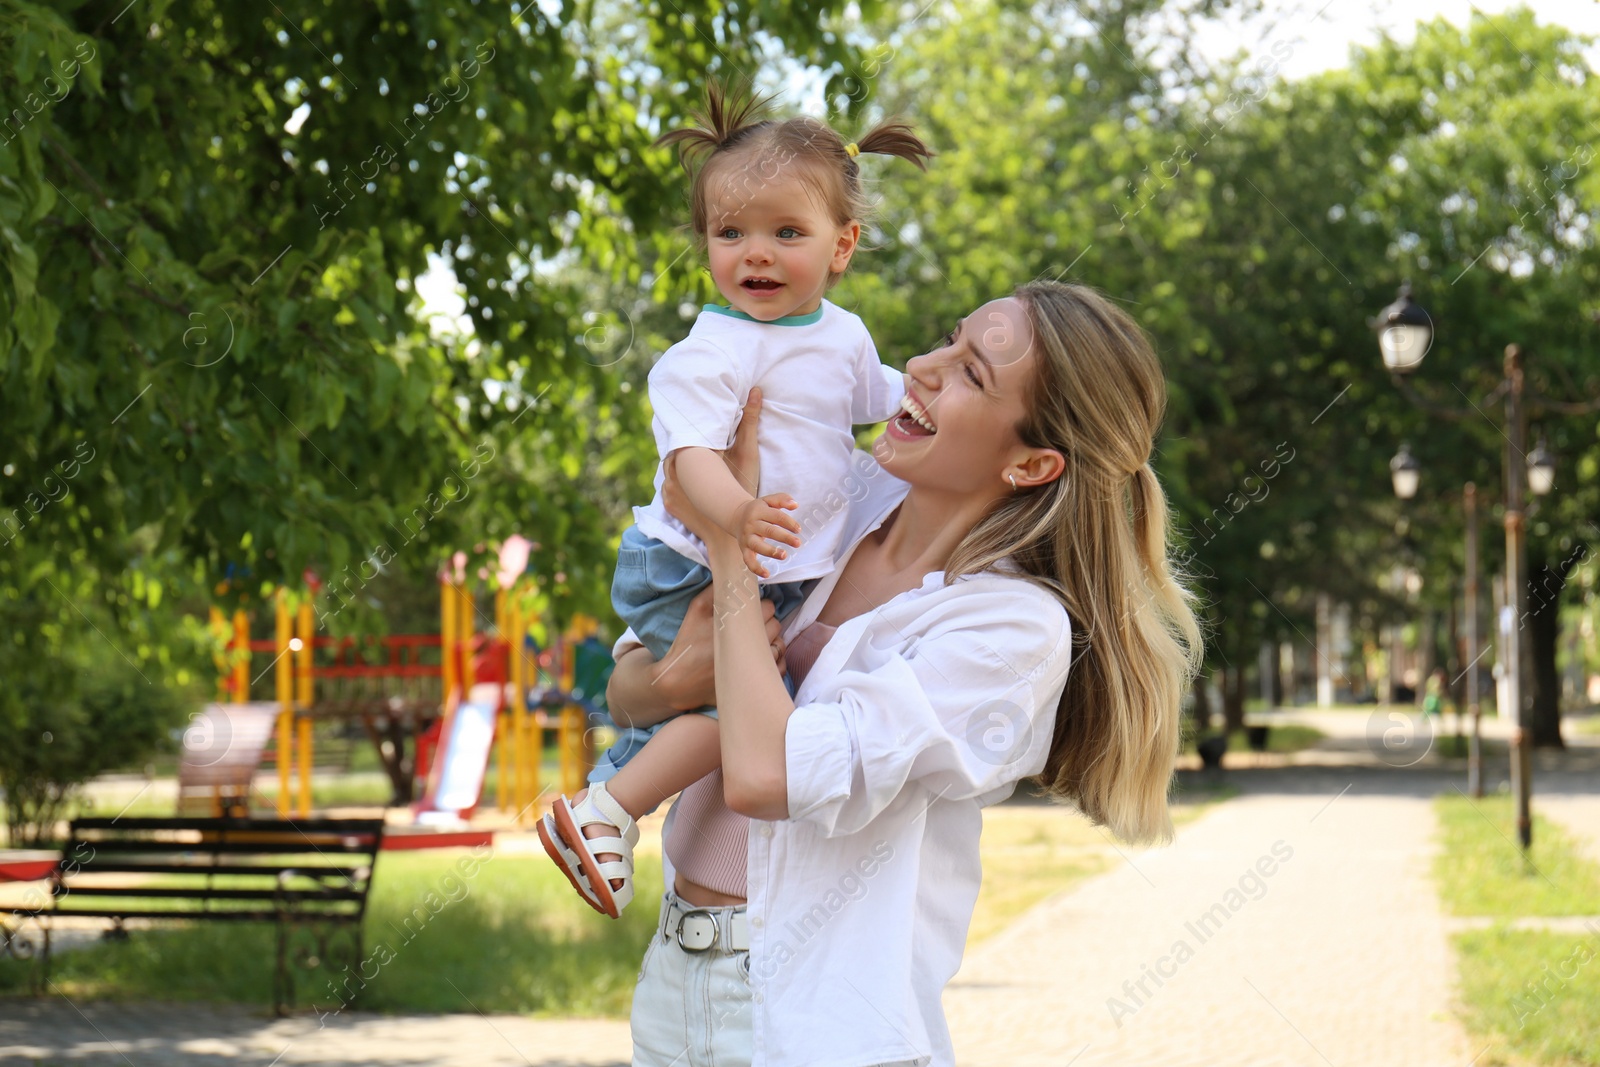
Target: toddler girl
778	205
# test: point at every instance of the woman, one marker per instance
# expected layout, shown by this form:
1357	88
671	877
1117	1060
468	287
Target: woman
1011	526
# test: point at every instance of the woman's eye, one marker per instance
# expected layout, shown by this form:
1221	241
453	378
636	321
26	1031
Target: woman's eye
949	339
972	376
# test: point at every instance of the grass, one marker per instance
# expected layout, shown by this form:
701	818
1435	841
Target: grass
1282	737
1480	870
510	937
1533	997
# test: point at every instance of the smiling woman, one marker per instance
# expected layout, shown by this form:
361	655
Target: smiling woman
1002	608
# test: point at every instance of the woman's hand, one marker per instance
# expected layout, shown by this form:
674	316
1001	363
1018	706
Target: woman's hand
644	691
761	521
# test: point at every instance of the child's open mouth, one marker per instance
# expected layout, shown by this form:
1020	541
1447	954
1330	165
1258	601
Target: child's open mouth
761	285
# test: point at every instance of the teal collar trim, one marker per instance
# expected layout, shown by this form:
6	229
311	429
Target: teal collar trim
787	320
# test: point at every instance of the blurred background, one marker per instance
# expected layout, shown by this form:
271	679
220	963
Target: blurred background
324	331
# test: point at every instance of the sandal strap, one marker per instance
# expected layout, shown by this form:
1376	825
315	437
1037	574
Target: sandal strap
598	846
600	806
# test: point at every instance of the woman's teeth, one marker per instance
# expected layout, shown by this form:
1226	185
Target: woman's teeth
916	416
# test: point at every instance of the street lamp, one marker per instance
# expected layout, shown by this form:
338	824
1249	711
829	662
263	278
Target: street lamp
1406	473
1541	469
1405	333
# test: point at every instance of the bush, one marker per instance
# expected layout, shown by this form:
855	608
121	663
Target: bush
68	723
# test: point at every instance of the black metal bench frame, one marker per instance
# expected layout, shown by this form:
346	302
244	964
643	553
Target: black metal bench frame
310	877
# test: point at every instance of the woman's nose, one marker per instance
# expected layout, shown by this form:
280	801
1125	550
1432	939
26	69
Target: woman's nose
924	369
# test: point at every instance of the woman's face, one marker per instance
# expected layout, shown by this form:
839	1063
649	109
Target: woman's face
972	391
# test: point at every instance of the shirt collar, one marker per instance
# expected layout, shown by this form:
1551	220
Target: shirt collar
787	320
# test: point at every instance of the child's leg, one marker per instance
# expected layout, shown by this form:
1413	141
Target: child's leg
682	752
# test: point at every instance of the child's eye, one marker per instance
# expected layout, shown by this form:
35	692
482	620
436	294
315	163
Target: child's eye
728	233
788	232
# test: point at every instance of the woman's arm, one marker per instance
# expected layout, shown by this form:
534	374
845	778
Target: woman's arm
644	691
753	706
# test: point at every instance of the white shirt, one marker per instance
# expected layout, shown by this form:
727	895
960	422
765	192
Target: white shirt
915	716
819	376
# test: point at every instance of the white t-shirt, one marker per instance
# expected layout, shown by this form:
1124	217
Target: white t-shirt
819	375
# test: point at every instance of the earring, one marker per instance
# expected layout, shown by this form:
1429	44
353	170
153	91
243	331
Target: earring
1013	478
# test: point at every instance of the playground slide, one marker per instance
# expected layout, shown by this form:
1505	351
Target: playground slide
462	761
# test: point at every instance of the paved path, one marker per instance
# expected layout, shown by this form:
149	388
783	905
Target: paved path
53	1032
1338	957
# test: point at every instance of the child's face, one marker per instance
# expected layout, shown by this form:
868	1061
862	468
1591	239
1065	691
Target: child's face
772	244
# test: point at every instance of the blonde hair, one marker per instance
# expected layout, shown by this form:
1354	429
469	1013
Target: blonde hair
732	129
1097	538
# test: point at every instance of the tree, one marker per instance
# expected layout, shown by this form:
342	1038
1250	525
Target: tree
213	216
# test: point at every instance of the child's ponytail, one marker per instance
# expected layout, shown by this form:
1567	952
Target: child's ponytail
895	138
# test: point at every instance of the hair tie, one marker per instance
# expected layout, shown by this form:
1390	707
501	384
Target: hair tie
852	150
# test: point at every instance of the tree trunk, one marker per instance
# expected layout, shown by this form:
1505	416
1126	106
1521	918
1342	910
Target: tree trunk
1545	583
1202	704
1233	698
1277	675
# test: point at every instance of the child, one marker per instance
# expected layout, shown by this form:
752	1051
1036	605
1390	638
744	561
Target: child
779	207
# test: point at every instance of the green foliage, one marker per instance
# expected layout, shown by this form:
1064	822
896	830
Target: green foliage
102	716
1253	227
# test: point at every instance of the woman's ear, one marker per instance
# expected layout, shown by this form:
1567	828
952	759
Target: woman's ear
849	237
1040	467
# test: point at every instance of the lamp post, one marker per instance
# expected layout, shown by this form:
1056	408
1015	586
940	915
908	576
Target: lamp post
1405	334
1406	473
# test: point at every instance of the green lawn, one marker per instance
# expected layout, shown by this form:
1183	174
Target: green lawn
1282	737
512	937
1533	997
1481	870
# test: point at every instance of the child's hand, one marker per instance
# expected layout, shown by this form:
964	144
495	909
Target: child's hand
759	522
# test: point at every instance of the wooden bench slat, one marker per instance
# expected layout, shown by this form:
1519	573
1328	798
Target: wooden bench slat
204	893
230	915
230	848
234	826
229	869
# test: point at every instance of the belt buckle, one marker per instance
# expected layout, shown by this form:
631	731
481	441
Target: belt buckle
701	935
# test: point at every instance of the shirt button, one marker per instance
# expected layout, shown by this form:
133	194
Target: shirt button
756	922
766	829
758	998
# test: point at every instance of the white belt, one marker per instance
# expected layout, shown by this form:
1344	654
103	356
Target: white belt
699	929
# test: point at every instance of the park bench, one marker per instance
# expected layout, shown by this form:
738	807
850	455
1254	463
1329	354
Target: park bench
309	877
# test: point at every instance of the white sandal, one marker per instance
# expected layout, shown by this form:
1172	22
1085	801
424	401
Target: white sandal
599	806
567	860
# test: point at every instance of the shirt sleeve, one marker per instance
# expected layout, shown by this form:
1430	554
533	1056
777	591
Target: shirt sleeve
967	710
878	388
697	392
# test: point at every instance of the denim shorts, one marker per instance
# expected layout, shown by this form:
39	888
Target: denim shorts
651	593
691	1009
